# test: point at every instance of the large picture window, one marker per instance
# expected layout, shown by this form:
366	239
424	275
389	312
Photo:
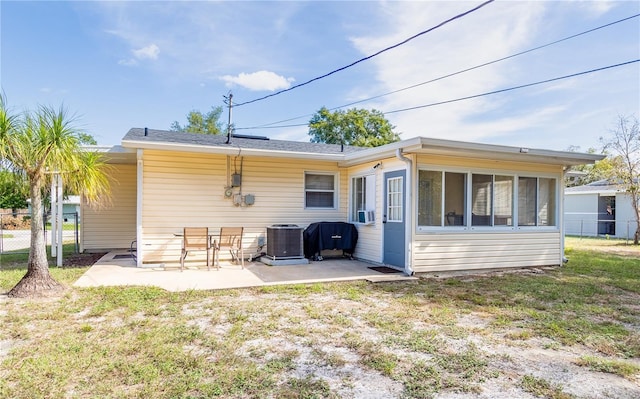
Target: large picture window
319	190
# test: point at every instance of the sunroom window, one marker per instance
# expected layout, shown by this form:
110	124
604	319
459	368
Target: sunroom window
485	200
441	198
536	201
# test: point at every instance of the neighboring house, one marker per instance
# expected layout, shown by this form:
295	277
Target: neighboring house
70	207
599	208
430	205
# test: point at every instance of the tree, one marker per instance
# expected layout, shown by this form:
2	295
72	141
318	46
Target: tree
13	191
37	144
208	123
624	143
593	172
358	127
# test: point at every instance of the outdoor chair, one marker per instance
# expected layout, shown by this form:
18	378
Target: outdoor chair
231	239
195	239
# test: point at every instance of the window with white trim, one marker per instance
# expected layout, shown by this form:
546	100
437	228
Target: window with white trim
536	201
363	198
319	190
485	200
441	198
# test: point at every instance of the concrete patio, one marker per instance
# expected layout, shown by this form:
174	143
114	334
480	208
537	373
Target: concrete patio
117	269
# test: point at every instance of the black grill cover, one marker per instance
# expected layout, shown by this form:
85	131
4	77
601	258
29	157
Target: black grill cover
329	235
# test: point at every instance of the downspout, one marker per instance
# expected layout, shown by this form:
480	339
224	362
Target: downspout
563	257
408	239
139	192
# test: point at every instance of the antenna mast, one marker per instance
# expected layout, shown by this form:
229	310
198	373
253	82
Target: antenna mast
229	102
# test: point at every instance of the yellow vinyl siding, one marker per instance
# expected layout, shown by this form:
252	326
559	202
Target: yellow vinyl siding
187	189
112	227
439	252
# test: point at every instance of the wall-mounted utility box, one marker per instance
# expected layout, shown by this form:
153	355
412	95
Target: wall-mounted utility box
236	180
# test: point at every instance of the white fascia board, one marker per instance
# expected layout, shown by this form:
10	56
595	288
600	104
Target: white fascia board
113	154
232	151
384	151
423	145
601	193
508	153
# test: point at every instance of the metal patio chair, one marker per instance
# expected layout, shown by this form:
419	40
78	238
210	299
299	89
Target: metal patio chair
195	239
231	239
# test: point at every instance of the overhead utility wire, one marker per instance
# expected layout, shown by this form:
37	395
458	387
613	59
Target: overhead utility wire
368	57
512	88
451	74
483	94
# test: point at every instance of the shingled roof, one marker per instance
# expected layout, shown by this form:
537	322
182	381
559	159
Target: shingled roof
137	135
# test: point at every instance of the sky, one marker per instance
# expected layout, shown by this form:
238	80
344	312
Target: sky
115	65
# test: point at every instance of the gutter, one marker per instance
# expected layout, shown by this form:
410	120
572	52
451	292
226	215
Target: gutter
408	270
232	150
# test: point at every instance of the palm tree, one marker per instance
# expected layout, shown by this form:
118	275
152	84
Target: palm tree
36	145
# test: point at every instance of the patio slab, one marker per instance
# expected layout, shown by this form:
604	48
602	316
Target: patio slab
114	270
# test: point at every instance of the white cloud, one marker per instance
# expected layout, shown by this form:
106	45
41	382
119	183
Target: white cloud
257	81
128	62
597	8
149	52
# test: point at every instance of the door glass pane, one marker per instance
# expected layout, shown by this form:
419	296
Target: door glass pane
503	201
429	198
394	199
481	200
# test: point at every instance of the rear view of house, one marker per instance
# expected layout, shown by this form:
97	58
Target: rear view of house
418	205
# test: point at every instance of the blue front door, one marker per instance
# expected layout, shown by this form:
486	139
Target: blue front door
394	219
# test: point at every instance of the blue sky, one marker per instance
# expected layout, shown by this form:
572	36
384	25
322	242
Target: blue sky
121	64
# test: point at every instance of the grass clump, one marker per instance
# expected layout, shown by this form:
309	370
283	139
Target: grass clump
543	388
612	366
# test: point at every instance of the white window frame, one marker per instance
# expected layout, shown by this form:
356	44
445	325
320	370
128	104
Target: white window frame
556	215
334	191
369	197
469	204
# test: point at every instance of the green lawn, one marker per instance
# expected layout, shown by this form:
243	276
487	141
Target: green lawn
304	341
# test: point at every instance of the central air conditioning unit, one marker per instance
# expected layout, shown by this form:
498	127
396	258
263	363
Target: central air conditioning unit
284	241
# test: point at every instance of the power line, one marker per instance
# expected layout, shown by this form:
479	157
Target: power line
266	125
512	88
368	57
477	95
